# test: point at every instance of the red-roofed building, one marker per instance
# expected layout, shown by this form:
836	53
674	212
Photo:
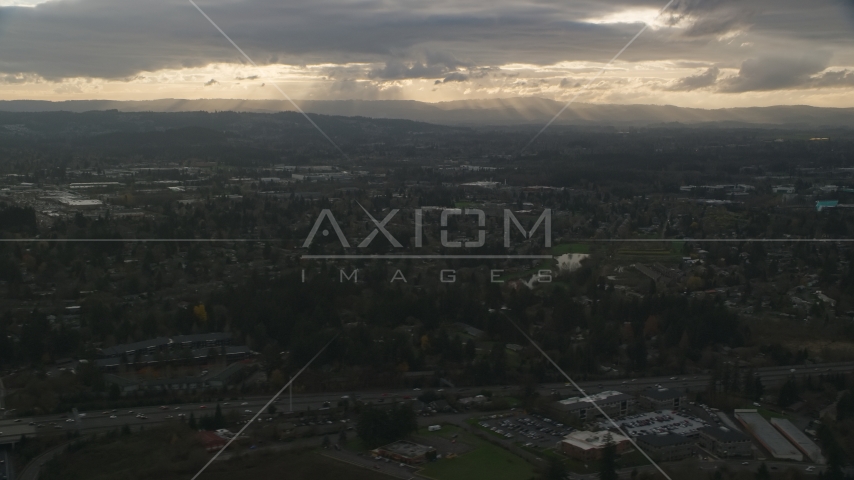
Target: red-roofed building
211	441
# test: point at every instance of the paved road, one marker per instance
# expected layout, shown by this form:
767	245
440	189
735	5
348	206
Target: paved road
315	401
32	470
6	472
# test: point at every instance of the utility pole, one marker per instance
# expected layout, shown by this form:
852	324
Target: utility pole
2	397
291	396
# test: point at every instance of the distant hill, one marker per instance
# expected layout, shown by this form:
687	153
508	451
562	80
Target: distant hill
508	112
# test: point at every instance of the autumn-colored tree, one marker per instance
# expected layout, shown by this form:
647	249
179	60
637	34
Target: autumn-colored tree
277	379
650	328
200	312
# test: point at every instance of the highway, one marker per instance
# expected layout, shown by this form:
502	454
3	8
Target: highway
315	401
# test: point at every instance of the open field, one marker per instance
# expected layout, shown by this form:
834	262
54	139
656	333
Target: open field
172	453
486	461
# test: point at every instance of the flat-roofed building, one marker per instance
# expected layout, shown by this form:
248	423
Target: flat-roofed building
406	452
666	448
663	398
588	446
725	442
799	439
767	436
615	404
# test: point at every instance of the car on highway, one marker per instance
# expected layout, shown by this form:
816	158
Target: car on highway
248	411
244	404
810	468
202	407
164	407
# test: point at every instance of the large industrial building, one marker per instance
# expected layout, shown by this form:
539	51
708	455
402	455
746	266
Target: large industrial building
725	442
587	446
799	439
767	436
405	452
666	448
663	398
615	404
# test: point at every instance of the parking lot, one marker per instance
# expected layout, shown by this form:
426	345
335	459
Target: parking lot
659	422
532	430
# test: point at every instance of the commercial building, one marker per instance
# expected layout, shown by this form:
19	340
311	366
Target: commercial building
166	343
587	446
767	436
213	380
725	442
663	398
666	448
211	441
405	452
615	404
184	349
799	439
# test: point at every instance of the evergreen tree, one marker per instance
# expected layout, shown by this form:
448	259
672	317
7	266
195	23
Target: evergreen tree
556	471
759	389
192	421
763	473
788	393
608	464
219	419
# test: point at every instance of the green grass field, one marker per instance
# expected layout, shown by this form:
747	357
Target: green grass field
486	461
171	452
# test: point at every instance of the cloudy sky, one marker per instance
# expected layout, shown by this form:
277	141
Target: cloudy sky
702	53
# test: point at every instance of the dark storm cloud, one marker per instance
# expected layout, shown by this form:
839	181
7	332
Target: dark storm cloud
712	17
454	77
844	78
694	82
405	39
774	73
396	70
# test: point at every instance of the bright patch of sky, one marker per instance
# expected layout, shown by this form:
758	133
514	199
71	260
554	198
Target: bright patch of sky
649	16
